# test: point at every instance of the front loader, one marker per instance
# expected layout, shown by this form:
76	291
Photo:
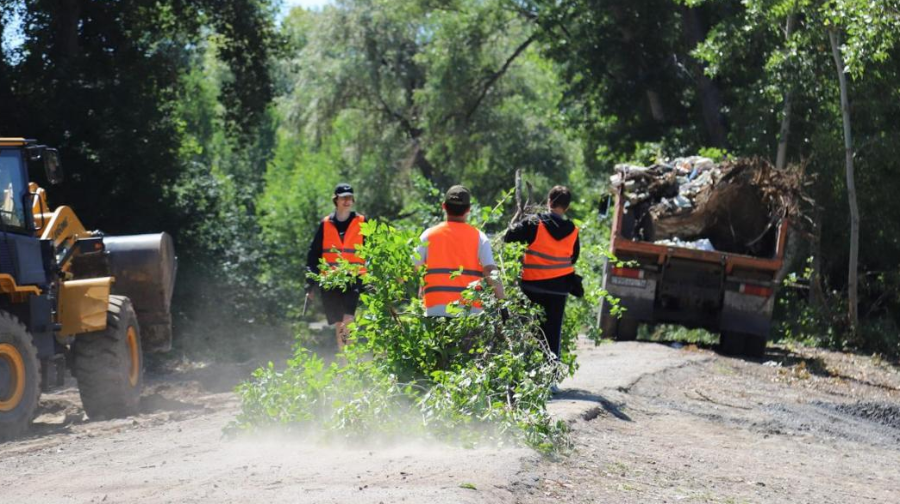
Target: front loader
75	298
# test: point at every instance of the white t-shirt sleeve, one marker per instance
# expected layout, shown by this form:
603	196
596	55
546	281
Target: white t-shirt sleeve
485	254
422	249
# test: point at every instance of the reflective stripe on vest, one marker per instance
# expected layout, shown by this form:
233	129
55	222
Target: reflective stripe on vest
451	262
334	248
548	257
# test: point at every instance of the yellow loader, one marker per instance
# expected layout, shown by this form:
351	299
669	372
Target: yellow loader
70	297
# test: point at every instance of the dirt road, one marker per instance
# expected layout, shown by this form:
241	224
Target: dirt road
651	423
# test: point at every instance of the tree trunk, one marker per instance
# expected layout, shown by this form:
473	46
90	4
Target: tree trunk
656	106
784	133
654	100
781	156
816	295
710	96
852	277
68	21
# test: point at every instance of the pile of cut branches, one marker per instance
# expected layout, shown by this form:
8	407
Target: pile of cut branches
736	205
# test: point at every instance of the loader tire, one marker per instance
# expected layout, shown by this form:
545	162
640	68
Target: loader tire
109	364
20	377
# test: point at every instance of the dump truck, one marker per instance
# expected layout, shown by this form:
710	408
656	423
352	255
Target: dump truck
73	299
699	255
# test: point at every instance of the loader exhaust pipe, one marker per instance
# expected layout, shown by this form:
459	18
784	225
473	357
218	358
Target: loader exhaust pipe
144	268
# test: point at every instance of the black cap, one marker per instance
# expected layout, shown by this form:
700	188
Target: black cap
343	189
458	195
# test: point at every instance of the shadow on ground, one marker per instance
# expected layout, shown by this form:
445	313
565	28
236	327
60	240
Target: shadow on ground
614	409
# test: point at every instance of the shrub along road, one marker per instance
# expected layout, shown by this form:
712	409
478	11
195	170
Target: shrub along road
651	423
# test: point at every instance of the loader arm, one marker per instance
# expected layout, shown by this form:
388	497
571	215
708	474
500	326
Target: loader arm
82	303
64	228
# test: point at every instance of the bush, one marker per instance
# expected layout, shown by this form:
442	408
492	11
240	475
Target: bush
473	378
801	318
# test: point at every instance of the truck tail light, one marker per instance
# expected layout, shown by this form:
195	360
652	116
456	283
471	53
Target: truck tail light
755	290
628	272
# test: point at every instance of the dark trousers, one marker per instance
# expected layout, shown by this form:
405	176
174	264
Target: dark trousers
554	307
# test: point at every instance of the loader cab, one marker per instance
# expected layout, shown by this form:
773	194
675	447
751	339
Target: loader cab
20	250
14	213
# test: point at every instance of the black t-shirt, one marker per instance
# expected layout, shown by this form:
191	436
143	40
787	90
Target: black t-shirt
315	247
559	228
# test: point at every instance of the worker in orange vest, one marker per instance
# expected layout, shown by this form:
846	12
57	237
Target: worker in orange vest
337	237
548	269
450	247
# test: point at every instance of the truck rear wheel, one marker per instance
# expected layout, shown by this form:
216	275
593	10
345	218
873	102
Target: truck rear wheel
20	377
628	329
755	346
742	344
731	343
619	329
609	326
109	364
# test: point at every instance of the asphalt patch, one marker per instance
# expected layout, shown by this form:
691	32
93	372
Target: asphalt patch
884	414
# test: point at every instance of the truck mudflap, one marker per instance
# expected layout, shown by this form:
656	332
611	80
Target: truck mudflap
747	307
144	268
635	288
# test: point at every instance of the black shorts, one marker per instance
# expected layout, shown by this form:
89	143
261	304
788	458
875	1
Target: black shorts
337	303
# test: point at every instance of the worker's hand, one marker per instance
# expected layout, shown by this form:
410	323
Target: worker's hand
310	294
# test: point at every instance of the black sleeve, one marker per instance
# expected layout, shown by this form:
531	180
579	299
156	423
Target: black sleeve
314	254
576	250
523	232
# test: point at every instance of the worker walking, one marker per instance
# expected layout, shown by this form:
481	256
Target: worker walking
338	237
455	254
548	270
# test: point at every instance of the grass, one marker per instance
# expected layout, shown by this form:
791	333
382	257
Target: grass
666	333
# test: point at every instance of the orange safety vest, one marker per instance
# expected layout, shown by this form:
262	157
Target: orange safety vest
333	247
451	246
548	257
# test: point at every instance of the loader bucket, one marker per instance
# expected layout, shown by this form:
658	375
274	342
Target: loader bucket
144	270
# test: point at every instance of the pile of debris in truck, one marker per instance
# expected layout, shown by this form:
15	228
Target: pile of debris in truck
692	202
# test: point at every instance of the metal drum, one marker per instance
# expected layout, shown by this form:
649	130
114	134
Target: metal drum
144	269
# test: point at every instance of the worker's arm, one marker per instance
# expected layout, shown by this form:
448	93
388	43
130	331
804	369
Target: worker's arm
420	257
576	251
488	266
522	232
312	258
494	282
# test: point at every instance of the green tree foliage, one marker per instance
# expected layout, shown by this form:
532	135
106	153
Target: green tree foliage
629	75
453	90
100	80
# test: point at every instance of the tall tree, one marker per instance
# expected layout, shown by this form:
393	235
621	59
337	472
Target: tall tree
872	29
440	88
